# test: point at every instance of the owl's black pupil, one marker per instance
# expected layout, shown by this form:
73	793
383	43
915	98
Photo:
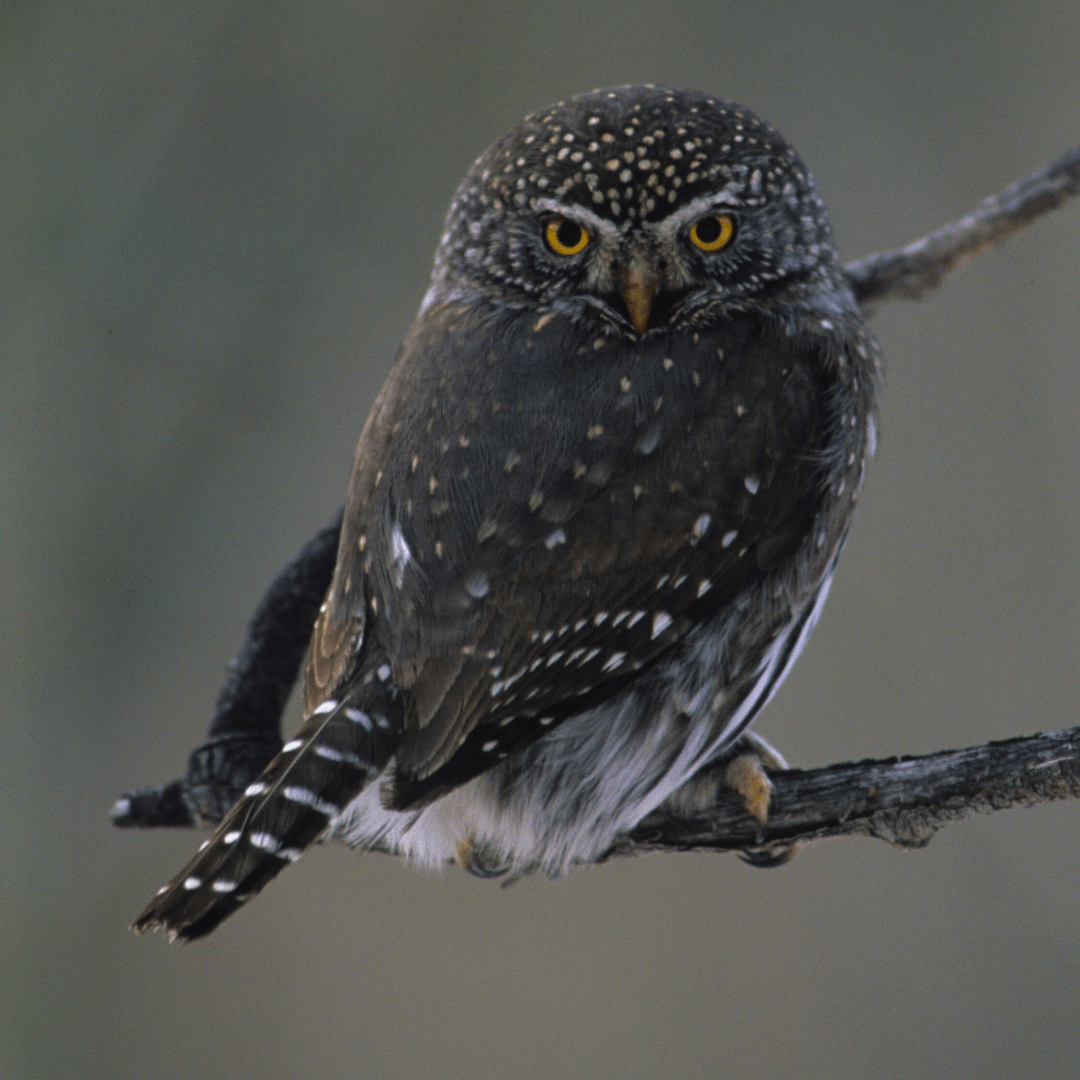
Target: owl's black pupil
569	234
708	230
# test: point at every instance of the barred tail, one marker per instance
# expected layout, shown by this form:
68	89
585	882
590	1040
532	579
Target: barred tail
339	750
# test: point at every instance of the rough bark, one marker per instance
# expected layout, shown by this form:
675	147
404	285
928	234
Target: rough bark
911	272
902	801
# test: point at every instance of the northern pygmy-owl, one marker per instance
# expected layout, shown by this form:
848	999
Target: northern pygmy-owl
594	512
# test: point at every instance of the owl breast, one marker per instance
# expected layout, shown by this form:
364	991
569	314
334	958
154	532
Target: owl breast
552	519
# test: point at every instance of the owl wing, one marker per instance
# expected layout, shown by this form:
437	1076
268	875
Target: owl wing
533	521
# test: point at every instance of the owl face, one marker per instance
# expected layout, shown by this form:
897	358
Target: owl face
638	208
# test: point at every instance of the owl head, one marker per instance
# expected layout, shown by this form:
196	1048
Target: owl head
637	206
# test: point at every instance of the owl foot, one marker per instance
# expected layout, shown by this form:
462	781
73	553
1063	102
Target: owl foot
747	774
478	862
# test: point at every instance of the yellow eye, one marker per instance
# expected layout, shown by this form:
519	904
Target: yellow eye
712	233
565	237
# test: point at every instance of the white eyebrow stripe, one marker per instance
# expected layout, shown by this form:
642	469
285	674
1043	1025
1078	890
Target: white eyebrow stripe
696	208
599	225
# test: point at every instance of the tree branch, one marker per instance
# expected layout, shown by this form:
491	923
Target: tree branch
902	801
913	271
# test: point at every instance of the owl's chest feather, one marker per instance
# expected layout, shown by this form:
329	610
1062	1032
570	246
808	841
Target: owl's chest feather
537	440
526	487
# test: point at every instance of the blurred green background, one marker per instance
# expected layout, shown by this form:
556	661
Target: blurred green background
217	221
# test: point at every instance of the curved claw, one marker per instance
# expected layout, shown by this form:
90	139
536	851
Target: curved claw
478	862
767	858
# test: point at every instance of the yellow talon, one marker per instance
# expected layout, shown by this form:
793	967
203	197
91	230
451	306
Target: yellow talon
746	775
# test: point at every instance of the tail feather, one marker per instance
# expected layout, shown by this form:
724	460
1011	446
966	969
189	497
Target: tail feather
343	745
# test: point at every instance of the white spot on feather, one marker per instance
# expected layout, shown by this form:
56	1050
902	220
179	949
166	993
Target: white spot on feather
358	717
649	441
477	585
330	753
305	797
400	554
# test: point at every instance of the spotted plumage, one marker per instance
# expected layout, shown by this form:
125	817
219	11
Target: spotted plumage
594	512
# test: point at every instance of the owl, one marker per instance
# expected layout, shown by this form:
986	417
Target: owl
594	512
